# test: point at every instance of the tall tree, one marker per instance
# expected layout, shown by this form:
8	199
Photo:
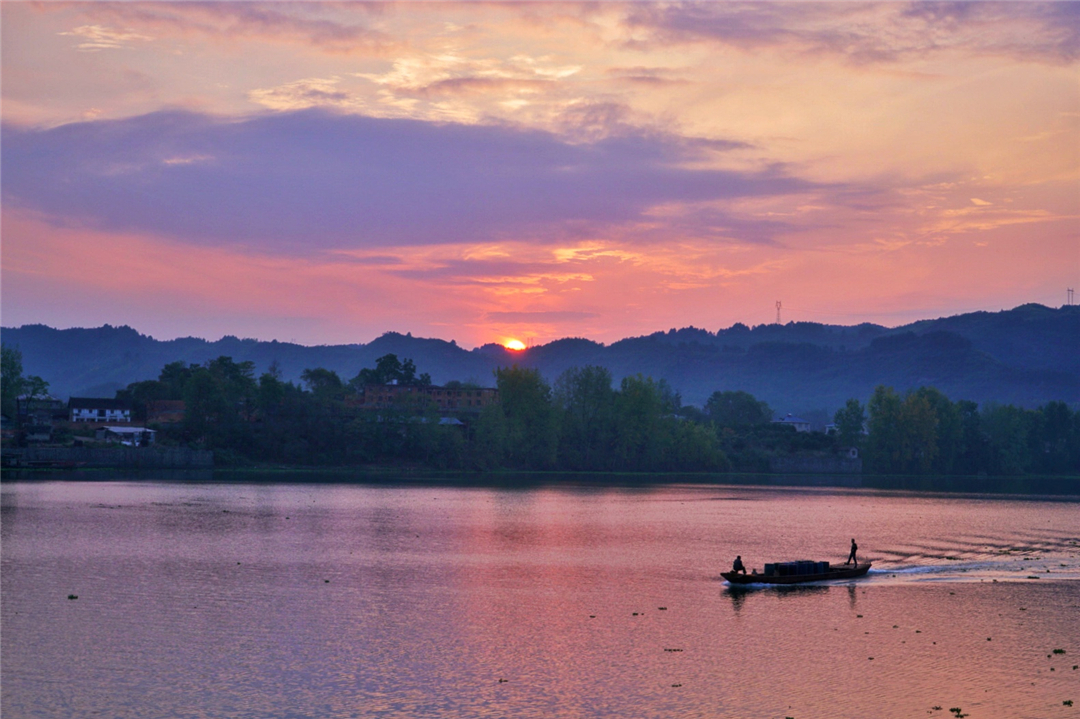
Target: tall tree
850	421
323	383
948	430
885	443
531	430
389	369
737	409
639	444
12	382
918	431
587	403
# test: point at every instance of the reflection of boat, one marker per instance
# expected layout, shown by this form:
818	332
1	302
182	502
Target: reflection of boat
797	573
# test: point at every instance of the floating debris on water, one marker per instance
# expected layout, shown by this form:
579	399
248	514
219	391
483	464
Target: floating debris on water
1059	651
73	596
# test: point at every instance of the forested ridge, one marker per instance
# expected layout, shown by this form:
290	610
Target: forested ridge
1026	356
584	421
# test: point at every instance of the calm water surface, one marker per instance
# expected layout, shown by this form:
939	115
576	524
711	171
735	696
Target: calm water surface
273	600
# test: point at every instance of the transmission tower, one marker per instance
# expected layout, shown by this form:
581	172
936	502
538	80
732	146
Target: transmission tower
1070	296
778	311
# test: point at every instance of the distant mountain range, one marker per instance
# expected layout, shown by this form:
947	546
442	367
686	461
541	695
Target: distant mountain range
1025	356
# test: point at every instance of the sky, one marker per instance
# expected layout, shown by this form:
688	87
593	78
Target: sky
325	173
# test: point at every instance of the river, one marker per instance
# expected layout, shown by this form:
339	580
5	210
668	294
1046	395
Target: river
271	599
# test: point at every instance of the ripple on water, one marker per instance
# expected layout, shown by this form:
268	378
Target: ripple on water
213	601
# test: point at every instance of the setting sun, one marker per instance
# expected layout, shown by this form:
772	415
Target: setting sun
516	345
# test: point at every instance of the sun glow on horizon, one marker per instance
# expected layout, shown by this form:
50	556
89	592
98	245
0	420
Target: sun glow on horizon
515	345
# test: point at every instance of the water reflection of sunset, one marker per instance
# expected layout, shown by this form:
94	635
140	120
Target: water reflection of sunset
529	601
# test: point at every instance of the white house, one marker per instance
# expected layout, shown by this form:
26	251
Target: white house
800	425
103	411
131	436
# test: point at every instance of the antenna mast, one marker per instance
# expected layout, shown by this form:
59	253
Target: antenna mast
1070	297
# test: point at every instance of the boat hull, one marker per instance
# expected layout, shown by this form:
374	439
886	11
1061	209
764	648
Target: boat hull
833	573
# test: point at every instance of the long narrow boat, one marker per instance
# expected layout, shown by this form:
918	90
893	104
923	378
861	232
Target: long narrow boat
839	572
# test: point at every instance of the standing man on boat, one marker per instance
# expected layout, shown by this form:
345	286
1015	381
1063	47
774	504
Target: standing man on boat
851	557
737	566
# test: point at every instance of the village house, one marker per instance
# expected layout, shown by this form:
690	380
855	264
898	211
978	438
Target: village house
800	425
165	411
41	409
99	410
446	399
130	436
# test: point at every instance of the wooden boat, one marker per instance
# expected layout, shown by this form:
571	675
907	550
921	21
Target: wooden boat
838	572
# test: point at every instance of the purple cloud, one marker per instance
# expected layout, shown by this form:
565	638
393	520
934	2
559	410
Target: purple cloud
866	33
314	180
311	23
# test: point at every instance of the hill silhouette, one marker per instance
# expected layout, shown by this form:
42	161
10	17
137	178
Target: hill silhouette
1026	356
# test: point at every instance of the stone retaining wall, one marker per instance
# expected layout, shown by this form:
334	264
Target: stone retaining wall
141	457
815	465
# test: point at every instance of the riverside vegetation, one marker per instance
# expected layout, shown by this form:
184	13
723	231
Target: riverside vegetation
581	423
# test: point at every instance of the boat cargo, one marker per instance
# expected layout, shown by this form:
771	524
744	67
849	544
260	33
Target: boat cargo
802	570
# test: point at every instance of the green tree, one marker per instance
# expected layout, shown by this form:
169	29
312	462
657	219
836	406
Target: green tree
849	421
323	383
918	431
586	401
696	448
12	382
219	398
389	369
1007	431
948	430
639	444
1059	440
487	450
174	376
531	429
885	443
974	454
139	394
737	409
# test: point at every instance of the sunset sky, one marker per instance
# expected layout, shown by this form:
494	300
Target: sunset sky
481	172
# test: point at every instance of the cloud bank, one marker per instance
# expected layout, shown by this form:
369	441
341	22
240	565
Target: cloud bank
317	180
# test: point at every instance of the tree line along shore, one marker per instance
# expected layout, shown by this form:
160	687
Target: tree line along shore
583	422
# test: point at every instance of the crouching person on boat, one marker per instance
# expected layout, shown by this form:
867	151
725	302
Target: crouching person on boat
737	565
